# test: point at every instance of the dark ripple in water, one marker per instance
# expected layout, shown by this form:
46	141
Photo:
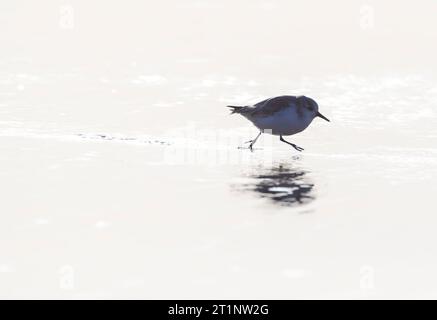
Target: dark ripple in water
283	185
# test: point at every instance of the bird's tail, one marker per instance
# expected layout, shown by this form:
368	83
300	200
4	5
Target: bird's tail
235	109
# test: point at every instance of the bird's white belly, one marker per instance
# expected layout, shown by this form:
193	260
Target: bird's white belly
286	122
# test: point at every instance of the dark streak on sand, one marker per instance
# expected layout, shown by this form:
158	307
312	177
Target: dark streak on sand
115	138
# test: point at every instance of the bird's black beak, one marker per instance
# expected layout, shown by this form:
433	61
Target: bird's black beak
322	116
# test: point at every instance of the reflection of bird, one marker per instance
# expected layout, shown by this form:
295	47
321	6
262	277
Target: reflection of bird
284	186
281	116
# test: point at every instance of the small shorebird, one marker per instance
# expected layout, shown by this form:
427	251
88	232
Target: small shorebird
281	116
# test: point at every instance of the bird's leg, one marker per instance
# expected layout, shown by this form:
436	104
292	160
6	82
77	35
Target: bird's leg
291	144
252	142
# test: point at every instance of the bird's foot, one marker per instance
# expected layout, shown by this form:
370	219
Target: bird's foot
297	147
252	142
250	147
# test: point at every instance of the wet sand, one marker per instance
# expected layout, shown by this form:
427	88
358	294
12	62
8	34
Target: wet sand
121	171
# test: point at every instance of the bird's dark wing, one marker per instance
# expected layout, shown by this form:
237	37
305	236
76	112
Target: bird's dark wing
273	105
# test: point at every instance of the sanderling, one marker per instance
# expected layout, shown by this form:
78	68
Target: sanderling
280	116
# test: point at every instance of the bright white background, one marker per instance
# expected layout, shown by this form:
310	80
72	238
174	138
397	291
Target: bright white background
119	169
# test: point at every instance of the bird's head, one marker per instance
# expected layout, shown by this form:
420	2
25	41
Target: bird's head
310	107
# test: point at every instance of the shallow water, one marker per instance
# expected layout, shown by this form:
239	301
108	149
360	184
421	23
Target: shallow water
122	176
